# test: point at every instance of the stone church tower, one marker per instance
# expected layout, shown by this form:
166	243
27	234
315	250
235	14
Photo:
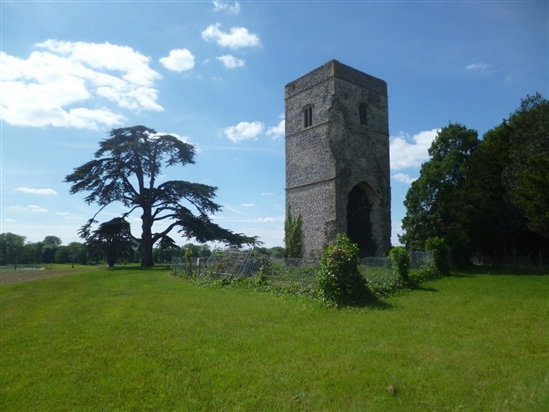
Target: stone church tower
337	158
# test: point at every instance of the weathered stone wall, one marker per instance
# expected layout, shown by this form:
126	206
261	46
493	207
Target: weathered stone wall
326	160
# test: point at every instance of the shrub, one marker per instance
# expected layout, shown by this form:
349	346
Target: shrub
400	260
293	236
339	280
439	248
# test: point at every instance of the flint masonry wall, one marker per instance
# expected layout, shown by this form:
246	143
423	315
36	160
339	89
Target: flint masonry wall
342	150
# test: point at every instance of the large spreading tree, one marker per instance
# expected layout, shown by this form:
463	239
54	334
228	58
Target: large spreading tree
126	169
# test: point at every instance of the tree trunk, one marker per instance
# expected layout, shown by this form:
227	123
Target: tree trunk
146	245
146	250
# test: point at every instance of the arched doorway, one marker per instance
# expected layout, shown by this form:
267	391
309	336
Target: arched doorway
359	224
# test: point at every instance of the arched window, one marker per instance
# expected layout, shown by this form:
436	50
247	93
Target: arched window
363	109
308	116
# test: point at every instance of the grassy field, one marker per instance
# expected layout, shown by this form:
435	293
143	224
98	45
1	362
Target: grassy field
131	339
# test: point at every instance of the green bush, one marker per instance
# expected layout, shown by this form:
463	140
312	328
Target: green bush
339	280
439	248
400	260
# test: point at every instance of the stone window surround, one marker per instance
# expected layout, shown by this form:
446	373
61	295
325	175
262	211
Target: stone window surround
308	116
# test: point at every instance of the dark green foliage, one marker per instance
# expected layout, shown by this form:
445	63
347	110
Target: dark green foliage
486	198
527	176
113	238
11	248
293	236
401	263
339	279
439	248
436	202
125	170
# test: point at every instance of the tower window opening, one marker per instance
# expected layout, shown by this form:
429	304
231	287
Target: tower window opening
308	116
362	112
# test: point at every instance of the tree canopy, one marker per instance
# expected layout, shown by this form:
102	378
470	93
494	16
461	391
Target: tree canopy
126	169
489	196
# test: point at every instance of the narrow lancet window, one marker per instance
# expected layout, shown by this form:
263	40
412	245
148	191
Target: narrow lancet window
308	116
362	111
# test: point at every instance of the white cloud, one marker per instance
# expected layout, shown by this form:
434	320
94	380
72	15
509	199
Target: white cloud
237	37
10	220
30	208
248	204
403	177
244	131
38	91
277	131
179	60
219	6
69	216
231	62
411	152
478	67
266	219
43	192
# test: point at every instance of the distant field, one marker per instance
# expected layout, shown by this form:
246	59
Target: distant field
132	339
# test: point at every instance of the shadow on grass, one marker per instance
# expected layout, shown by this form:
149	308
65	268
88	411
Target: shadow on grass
496	270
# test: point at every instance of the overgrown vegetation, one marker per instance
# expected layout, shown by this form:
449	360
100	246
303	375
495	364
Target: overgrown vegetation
339	279
401	263
293	236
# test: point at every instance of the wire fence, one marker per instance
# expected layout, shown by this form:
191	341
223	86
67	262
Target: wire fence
302	273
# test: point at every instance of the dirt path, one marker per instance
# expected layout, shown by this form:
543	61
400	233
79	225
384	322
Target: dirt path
16	276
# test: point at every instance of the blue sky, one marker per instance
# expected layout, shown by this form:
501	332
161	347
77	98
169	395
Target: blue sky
213	73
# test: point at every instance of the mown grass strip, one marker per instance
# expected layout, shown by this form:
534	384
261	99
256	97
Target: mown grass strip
131	339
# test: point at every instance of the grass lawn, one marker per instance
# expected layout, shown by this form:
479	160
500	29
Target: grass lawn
131	339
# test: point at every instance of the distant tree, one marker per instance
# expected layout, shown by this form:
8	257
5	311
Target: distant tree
113	238
11	248
53	241
62	254
126	169
50	245
32	252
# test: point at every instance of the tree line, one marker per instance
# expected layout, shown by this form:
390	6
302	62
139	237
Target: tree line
15	250
487	197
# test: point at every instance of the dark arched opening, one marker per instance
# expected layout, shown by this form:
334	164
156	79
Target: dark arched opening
359	224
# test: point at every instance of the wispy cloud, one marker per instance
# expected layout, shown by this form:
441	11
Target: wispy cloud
69	216
53	86
220	6
478	67
266	219
267	194
248	204
412	151
42	192
30	208
231	62
179	60
243	131
236	38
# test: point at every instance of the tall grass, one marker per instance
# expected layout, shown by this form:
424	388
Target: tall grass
131	339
